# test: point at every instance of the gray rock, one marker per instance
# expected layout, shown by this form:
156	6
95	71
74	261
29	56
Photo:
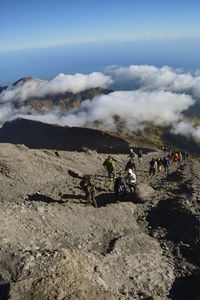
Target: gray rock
144	192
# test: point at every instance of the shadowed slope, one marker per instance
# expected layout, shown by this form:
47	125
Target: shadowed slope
39	135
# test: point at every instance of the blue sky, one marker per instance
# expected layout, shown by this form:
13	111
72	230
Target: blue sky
46	37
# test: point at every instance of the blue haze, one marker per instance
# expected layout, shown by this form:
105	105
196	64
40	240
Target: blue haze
45	63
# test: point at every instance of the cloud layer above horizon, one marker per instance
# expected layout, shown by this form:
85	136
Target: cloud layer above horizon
158	95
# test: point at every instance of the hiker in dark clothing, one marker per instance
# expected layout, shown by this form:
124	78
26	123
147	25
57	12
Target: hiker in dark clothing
119	188
187	154
153	166
140	157
130	165
88	187
164	148
132	154
184	155
166	163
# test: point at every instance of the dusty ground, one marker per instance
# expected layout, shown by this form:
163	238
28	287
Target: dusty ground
56	246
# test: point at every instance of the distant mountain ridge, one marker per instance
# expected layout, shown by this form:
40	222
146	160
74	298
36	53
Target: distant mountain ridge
65	101
23	80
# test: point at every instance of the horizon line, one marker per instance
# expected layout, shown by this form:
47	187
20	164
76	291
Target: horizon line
107	41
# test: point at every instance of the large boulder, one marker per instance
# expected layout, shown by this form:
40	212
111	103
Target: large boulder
144	192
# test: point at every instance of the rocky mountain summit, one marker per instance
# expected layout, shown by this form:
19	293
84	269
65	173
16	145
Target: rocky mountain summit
54	245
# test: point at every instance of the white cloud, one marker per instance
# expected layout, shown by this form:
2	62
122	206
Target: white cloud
160	107
187	129
183	128
149	78
6	111
133	107
9	112
60	84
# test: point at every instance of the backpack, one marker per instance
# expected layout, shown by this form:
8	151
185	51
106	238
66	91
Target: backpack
122	188
85	181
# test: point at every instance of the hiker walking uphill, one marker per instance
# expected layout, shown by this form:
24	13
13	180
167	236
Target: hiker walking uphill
175	158
132	154
179	157
110	167
166	163
153	167
159	163
140	156
88	186
130	165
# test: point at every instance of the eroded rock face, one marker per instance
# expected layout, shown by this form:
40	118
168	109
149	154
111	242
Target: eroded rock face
54	245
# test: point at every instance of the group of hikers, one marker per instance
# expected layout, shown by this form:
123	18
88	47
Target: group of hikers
125	185
121	183
174	157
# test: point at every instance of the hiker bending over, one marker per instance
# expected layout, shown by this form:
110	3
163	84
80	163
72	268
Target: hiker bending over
88	187
130	179
110	167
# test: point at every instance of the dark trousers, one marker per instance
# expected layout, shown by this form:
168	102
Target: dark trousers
90	197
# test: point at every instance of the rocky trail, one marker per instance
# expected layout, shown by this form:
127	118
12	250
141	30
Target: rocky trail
54	245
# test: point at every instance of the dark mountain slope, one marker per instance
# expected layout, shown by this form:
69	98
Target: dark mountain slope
39	135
